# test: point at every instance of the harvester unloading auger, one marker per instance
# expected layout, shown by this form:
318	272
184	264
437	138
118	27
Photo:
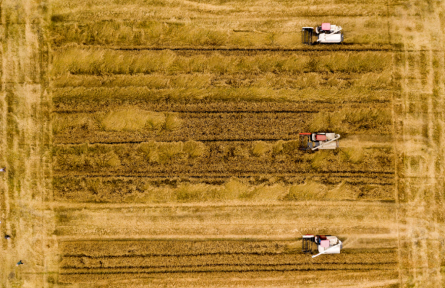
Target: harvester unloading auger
327	34
318	141
326	244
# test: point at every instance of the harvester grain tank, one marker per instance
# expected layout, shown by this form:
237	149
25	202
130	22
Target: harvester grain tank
326	244
326	34
318	141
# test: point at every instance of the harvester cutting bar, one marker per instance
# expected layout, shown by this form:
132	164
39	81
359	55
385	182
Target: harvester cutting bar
308	240
306	35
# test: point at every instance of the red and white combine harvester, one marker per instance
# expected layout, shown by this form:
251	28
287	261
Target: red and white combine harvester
327	34
326	244
318	141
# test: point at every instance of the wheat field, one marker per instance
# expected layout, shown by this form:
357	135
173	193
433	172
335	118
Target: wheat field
154	143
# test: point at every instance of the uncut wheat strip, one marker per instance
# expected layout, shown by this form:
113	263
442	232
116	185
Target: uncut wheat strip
205	31
196	80
103	61
107	96
120	125
187	10
235	167
172	158
143	190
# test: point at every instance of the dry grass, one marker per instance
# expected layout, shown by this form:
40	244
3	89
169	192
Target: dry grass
260	148
307	191
269	33
104	62
141	190
125	119
166	152
344	121
215	158
80	98
153	81
215	77
371	80
353	155
133	120
117	90
194	149
172	122
161	152
63	123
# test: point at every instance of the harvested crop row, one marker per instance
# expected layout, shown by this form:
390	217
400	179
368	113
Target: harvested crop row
277	261
354	179
376	81
82	99
91	105
164	34
245	279
200	230
136	125
104	61
235	158
256	14
98	249
155	248
257	254
143	190
288	220
236	268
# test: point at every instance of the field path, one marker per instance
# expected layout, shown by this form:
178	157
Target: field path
25	146
419	111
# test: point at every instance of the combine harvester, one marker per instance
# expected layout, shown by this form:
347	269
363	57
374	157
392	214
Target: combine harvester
327	34
318	141
326	244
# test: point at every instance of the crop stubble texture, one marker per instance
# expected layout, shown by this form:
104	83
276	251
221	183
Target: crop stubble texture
225	164
180	257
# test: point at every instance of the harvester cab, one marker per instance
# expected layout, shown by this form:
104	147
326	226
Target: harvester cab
326	244
318	141
326	33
